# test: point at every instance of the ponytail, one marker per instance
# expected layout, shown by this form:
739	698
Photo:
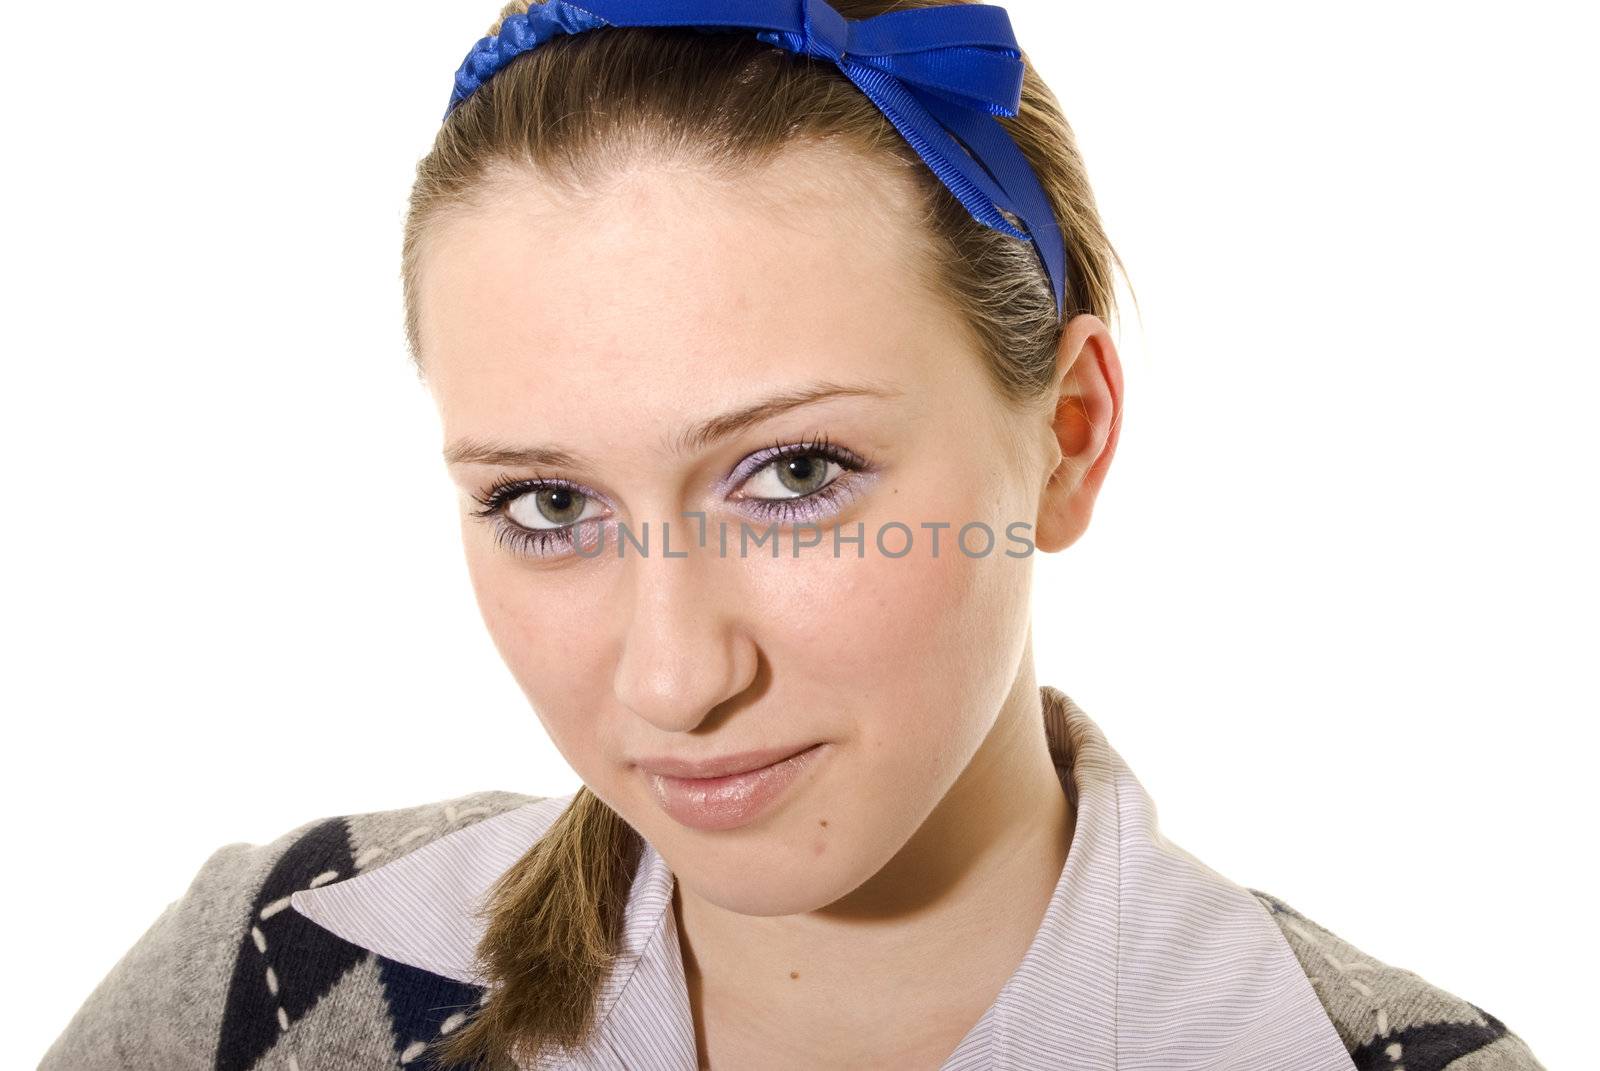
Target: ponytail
554	919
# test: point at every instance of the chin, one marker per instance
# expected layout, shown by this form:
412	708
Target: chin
783	867
760	890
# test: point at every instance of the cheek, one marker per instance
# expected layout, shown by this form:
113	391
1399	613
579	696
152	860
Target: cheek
909	654
935	617
858	621
552	648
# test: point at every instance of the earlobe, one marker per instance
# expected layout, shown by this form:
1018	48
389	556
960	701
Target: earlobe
1084	424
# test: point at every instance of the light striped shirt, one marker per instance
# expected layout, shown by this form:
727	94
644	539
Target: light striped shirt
1146	958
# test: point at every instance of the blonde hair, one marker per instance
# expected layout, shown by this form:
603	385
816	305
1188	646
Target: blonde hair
580	104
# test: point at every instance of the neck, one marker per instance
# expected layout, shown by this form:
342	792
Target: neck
928	940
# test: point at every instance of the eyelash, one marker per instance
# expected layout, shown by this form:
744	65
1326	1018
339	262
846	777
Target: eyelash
537	542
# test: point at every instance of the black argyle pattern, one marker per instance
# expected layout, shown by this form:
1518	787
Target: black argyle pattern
421	1005
1390	1019
1429	1046
288	966
286	962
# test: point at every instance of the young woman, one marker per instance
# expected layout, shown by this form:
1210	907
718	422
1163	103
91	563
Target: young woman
770	341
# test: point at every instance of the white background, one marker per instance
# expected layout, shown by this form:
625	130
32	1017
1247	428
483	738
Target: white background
1336	607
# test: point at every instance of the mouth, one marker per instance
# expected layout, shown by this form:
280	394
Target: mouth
721	766
730	800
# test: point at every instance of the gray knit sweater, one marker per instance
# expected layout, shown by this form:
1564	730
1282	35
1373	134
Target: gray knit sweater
189	993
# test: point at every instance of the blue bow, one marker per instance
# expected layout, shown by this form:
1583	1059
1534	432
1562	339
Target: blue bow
939	74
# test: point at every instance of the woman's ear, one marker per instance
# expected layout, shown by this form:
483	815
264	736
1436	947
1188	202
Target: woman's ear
1083	426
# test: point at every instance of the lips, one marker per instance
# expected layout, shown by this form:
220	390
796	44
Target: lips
720	766
731	800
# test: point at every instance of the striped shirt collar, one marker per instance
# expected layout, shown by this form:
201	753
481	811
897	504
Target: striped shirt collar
1145	958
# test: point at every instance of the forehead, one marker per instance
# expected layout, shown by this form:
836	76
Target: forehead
665	280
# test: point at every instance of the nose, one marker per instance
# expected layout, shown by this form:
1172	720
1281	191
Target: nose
684	649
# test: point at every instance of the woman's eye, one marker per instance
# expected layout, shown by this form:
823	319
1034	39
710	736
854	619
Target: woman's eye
535	518
794	476
548	507
804	482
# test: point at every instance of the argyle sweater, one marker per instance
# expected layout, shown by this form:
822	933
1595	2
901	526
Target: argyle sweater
228	972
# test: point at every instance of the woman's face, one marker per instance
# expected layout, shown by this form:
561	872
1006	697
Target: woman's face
617	347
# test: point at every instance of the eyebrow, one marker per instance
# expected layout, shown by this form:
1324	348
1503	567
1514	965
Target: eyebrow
693	437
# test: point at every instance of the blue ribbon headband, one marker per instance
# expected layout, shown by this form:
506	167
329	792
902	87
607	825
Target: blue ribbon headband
938	73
